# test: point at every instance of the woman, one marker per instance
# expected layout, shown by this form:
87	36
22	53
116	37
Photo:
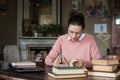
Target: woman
74	45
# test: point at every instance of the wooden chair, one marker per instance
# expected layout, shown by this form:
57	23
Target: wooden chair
11	53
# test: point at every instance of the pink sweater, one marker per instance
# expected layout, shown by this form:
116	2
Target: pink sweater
85	50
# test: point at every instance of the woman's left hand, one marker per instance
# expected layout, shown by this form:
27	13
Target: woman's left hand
76	62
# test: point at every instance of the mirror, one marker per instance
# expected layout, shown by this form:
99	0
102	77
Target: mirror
37	13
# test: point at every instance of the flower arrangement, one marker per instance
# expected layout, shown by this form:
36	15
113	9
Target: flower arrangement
104	37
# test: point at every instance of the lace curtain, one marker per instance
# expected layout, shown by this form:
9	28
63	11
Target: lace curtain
116	36
115	39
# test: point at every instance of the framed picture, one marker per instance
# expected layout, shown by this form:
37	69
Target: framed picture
45	19
76	4
97	8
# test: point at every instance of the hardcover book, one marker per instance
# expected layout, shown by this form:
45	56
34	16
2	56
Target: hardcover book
105	61
104	73
68	70
102	78
109	68
65	75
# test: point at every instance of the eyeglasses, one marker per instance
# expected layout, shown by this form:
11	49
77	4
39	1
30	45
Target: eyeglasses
72	32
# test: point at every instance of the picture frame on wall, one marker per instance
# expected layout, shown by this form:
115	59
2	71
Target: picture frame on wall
45	19
76	4
97	8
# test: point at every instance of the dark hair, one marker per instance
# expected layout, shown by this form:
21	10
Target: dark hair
76	18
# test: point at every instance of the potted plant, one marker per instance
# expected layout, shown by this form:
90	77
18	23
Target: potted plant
55	30
42	29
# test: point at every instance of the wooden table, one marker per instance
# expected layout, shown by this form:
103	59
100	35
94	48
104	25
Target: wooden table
11	75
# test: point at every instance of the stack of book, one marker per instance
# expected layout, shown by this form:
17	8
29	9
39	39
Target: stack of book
105	67
67	72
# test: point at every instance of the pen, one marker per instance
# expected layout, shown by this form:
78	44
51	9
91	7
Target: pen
60	58
63	59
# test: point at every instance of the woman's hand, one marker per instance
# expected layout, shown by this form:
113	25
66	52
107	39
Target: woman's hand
56	62
60	61
76	62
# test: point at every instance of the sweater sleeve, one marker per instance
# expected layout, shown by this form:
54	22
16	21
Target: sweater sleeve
94	49
54	52
94	52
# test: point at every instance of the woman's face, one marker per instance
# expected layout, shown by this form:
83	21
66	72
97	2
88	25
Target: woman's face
74	32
